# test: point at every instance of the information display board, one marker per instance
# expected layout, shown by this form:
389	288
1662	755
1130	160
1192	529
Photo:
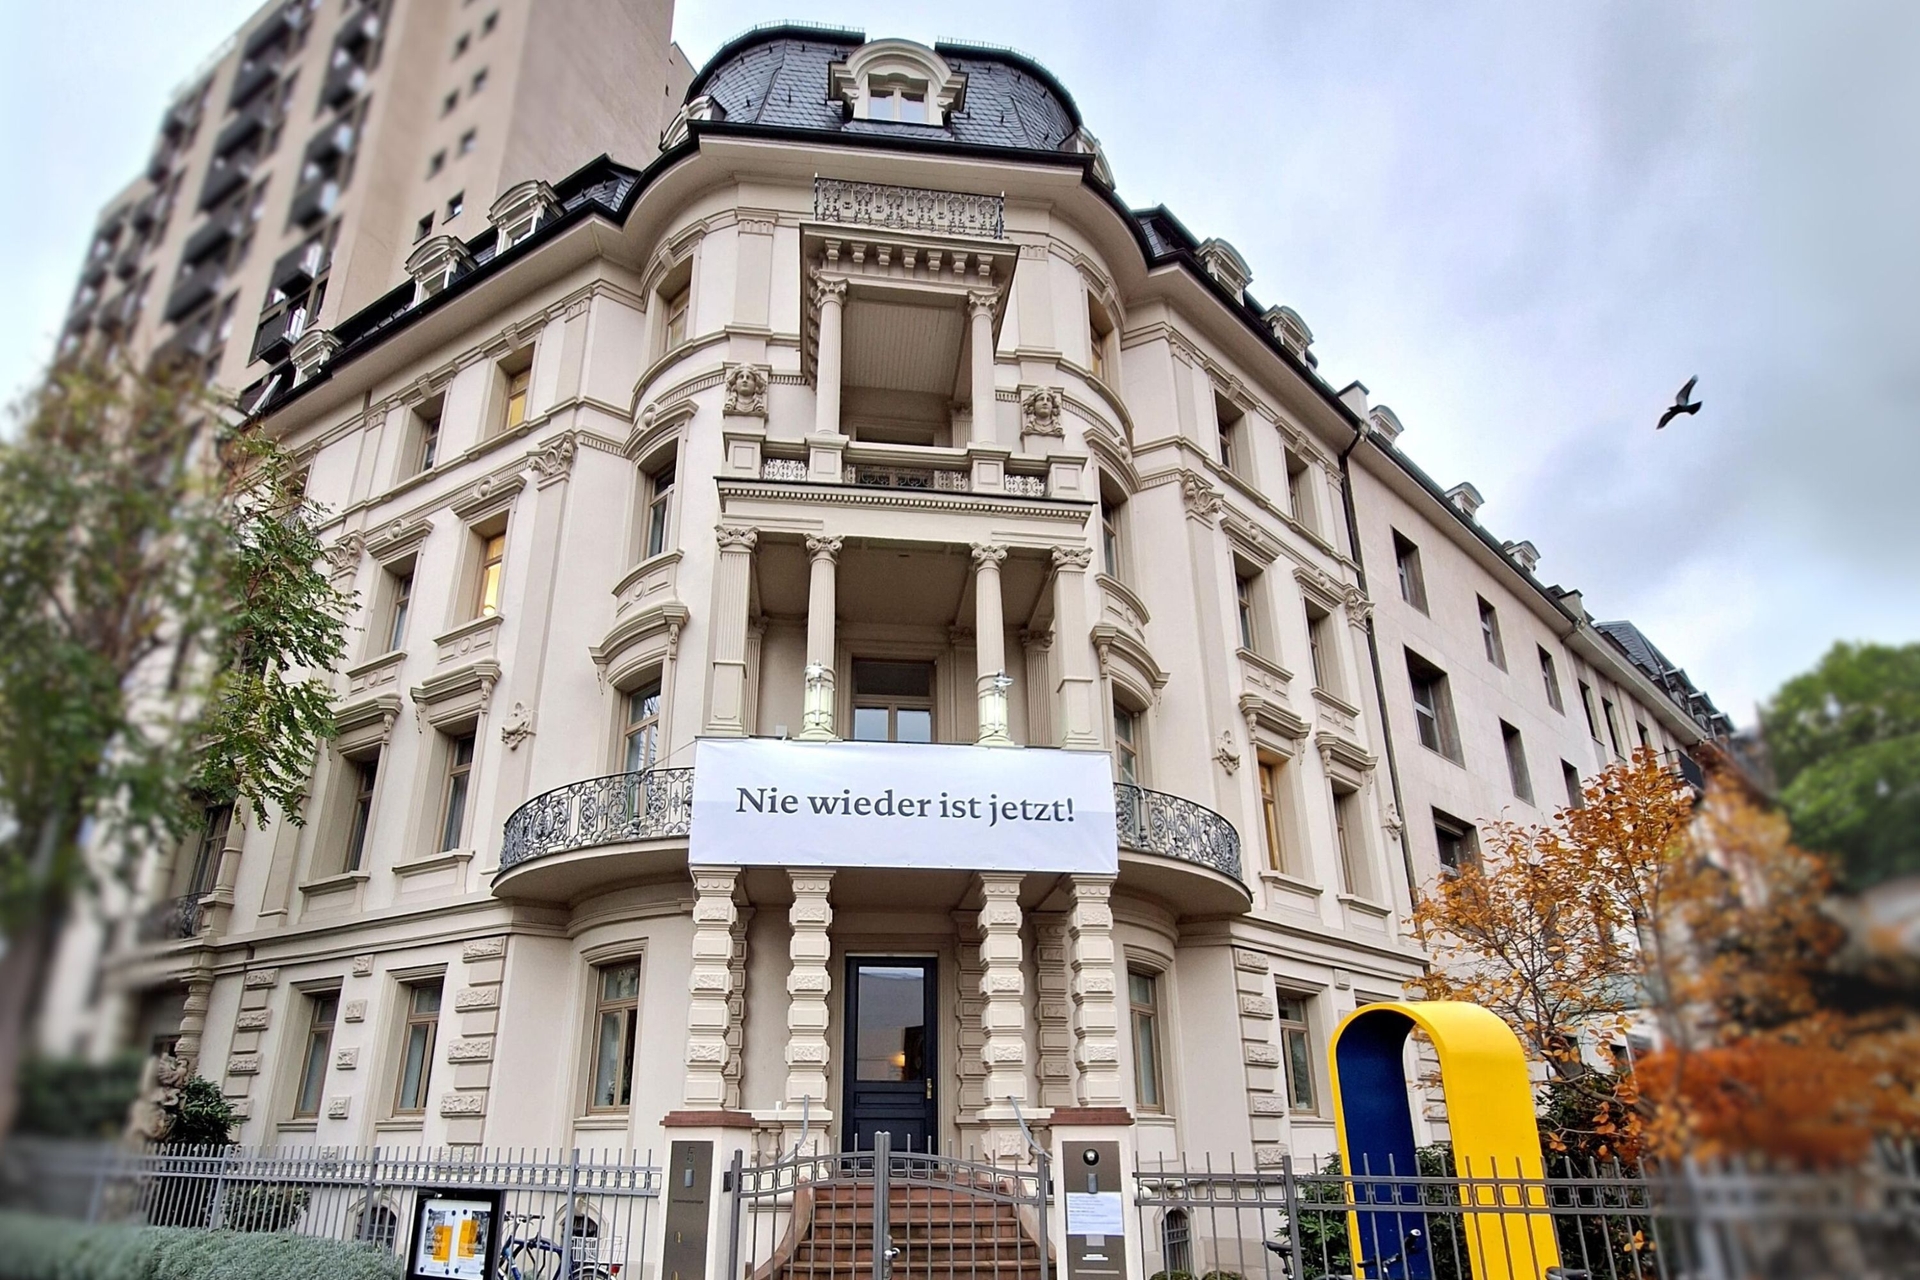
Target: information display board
456	1234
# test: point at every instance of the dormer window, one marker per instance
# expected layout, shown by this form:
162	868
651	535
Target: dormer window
898	81
904	101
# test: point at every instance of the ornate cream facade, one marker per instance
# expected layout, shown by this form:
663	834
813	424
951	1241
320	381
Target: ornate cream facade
876	416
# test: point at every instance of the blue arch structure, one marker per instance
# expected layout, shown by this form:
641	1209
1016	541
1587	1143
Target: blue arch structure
1489	1098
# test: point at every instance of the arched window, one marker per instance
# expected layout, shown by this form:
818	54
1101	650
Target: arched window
1176	1242
378	1226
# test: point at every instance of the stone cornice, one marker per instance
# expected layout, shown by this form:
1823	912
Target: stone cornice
1065	509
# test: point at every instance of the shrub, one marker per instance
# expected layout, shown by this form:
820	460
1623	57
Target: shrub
200	1116
35	1248
263	1206
73	1098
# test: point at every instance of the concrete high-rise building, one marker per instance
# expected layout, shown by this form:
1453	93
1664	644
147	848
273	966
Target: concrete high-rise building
293	177
849	411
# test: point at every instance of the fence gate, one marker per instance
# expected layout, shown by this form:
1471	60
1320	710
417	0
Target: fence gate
888	1215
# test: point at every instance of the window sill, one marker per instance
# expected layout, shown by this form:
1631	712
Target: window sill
1295	883
436	862
344	882
406	1124
1365	906
1443	755
600	1122
297	1126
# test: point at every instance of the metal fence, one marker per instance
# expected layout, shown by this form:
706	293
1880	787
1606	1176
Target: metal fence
1721	1222
882	1214
579	1214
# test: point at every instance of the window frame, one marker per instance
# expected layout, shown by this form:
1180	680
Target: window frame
319	1051
1406	563
1586	705
399	608
1147	1013
1230	441
413	1019
1611	715
1490	639
893	703
657	529
490	573
1576	788
1100	331
1300	490
626	1009
1268	774
1322	661
1297	1031
456	791
642	728
1465	837
1129	748
1348	846
1550	677
1439	708
1519	776
366	779
1246	606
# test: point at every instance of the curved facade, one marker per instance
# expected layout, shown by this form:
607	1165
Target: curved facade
866	411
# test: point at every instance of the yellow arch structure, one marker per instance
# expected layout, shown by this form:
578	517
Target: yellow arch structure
1489	1097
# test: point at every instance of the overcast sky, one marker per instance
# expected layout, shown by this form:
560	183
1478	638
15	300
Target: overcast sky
1522	226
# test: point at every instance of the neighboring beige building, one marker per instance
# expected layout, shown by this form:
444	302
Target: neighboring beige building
295	174
864	409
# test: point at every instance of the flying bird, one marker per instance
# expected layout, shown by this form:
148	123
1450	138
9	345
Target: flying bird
1680	404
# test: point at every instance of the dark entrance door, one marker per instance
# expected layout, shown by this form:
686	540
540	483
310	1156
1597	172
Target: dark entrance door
890	1058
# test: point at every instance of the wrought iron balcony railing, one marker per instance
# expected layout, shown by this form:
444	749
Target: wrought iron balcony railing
1155	822
653	805
170	921
657	804
877	204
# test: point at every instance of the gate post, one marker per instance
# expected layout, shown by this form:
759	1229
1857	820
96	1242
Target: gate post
882	1236
1093	1168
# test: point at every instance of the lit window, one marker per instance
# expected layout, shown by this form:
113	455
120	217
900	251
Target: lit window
517	384
492	556
1143	994
892	701
643	727
1270	814
453	822
366	774
1490	634
1551	679
1516	762
1413	587
659	510
1126	743
616	1010
416	1048
1296	1051
321	1009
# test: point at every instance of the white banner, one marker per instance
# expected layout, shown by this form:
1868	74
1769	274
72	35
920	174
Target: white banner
761	802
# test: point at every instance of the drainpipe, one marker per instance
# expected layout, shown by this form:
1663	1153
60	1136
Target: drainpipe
1373	656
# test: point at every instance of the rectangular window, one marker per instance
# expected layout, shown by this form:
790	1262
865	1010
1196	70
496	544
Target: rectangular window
1551	679
1490	634
1433	707
615	1023
453	819
659	510
1516	762
643	727
892	701
1126	743
493	554
1296	1051
457	204
1143	994
1110	537
1270	815
1099	334
1586	705
1456	843
517	383
677	304
1320	647
400	600
1229	418
1344	805
416	1048
1299	490
1613	727
366	774
1646	739
321	1009
206	857
1576	794
426	434
1406	559
468	140
423	228
1245	611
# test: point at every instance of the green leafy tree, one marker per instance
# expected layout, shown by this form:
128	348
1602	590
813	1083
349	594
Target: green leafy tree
1844	742
164	634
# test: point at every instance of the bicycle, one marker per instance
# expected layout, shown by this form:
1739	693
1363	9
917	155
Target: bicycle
535	1257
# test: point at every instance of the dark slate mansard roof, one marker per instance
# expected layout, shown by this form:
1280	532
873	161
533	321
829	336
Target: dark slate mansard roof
775	79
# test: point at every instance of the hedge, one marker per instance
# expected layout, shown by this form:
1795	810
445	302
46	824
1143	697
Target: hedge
36	1248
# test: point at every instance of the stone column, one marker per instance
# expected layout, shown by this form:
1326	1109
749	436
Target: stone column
1077	709
831	296
1053	992
727	679
980	304
990	645
709	1015
1096	1014
737	1005
816	715
808	983
1003	1017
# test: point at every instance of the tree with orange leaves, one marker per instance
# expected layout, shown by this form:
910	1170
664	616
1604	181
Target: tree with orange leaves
1700	918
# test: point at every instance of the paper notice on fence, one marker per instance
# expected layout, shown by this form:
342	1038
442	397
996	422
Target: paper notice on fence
1094	1213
